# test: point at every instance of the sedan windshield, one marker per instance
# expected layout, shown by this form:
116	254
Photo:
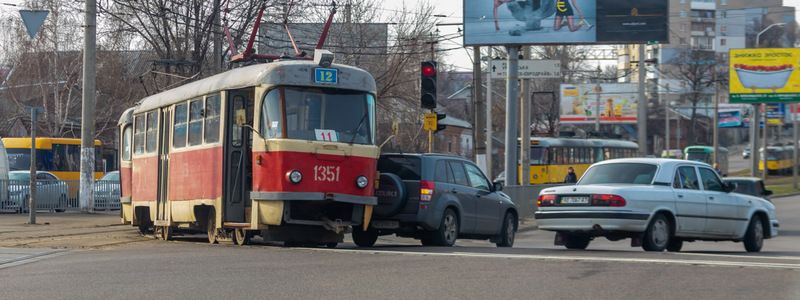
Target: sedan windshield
19	176
625	173
315	114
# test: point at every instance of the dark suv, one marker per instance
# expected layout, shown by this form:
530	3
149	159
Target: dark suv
437	199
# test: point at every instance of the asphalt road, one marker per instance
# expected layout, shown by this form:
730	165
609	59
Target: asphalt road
401	269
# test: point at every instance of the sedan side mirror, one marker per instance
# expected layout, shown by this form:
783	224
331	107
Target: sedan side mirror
730	187
497	186
767	193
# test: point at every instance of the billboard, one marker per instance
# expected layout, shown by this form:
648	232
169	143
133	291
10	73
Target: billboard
529	22
775	113
730	119
616	102
764	75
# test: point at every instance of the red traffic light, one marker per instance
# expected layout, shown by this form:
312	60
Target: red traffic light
428	70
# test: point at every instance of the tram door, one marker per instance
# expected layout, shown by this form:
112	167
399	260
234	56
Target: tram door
237	175
163	166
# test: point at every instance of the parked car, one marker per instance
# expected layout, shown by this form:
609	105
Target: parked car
106	192
501	178
659	203
753	186
51	193
746	152
438	199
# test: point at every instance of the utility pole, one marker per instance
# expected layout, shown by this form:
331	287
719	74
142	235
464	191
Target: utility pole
32	187
525	125
642	106
754	153
715	124
489	133
477	106
512	99
764	142
87	109
794	145
217	38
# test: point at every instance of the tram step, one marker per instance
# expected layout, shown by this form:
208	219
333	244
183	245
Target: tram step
161	223
236	225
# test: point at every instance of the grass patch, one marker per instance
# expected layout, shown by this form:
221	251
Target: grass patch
781	185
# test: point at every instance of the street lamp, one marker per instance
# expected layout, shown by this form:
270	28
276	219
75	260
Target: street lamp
758	36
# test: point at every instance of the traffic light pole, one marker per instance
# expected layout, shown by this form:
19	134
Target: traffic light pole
512	112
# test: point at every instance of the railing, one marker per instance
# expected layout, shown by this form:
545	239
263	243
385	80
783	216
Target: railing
56	195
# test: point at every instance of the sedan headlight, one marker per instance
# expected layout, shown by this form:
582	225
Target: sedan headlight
362	181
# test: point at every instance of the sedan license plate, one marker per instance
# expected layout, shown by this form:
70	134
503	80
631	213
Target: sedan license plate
574	200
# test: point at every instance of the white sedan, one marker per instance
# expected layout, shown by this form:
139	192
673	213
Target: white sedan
658	203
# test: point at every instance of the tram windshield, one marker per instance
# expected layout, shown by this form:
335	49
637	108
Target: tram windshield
319	114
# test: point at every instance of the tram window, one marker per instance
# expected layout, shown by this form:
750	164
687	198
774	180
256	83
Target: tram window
271	115
211	132
195	122
236	130
126	143
179	129
138	136
343	115
152	132
538	155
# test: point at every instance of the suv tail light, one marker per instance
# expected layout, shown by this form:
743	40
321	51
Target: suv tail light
608	200
546	200
426	189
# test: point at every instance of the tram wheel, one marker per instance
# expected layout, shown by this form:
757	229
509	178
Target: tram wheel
211	226
241	237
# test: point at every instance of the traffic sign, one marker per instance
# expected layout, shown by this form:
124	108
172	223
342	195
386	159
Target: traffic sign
430	123
528	69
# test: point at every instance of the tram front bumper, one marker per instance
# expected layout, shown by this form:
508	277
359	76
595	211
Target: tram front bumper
333	211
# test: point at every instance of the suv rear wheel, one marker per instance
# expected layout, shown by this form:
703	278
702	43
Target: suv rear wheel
447	233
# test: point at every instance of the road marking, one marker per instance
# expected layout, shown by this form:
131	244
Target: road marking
738	256
26	259
578	258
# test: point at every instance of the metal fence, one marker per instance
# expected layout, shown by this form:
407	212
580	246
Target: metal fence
56	195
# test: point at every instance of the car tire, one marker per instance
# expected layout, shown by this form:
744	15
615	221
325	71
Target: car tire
62	203
675	245
364	238
447	234
754	237
508	232
576	242
658	234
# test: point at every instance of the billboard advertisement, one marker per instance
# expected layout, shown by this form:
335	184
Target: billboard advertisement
529	22
775	113
616	103
764	75
730	119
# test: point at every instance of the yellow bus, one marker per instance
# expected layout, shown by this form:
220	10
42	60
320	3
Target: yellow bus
60	156
550	157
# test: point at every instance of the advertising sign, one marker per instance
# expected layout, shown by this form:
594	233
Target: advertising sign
730	119
616	101
764	75
528	22
775	113
528	69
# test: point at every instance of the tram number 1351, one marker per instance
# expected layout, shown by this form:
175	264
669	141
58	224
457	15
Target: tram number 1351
326	173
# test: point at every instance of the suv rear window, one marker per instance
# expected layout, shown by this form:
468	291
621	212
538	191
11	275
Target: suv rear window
408	168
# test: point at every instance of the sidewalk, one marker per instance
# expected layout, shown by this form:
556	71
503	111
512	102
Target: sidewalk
71	230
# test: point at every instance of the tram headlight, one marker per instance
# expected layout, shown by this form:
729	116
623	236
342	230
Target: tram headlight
294	176
362	181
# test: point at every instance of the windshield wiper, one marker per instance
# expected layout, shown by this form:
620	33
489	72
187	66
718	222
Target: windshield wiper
355	132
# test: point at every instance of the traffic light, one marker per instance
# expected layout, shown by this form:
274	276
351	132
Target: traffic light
428	84
439	125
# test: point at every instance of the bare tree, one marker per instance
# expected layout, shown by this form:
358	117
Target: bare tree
695	70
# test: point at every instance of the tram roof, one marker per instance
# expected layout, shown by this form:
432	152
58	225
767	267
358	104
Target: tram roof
293	72
126	117
572	142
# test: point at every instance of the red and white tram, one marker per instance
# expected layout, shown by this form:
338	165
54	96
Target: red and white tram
285	150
